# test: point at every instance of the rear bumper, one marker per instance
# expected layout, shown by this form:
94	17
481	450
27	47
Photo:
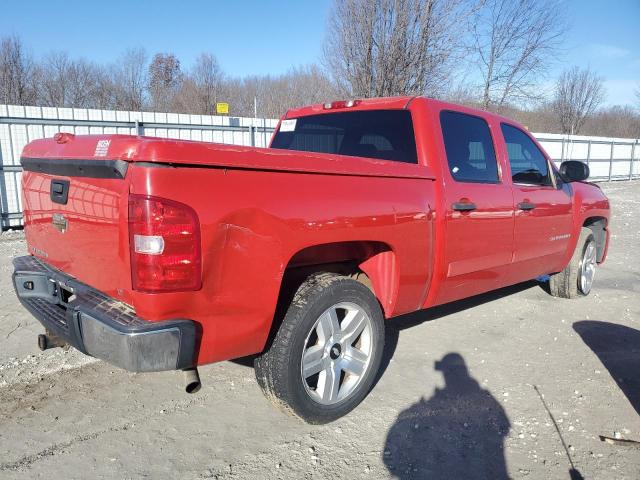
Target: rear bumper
99	325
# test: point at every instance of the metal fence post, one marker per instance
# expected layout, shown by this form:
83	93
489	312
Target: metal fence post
3	193
588	152
611	160
252	129
264	132
5	163
633	154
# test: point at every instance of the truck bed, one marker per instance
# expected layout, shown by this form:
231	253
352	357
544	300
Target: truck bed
260	211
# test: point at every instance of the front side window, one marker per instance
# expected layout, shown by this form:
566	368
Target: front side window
380	134
528	164
470	153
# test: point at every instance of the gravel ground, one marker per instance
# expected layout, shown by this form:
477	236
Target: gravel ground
464	394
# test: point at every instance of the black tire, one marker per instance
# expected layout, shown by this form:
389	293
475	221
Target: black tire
566	284
279	369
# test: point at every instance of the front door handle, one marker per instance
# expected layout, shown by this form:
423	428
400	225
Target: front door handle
464	206
526	206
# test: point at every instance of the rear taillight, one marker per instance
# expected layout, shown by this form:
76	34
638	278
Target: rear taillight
164	239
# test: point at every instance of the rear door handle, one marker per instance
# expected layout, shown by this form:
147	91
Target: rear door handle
464	206
526	206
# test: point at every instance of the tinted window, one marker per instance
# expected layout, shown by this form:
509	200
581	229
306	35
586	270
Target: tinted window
528	164
382	134
469	147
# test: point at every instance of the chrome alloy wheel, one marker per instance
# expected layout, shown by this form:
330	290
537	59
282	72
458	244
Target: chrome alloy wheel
587	268
337	353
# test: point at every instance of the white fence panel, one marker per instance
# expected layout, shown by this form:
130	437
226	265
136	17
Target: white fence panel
20	125
608	158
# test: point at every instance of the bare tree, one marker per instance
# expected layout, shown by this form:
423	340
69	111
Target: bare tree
207	77
165	79
105	93
462	93
394	47
16	73
276	94
65	82
616	121
129	77
578	94
304	86
52	80
514	42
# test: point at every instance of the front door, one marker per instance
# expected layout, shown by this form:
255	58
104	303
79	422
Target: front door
543	216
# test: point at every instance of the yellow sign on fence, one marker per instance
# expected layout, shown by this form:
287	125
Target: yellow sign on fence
222	108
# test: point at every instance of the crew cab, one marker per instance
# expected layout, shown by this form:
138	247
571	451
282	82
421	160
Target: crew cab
155	254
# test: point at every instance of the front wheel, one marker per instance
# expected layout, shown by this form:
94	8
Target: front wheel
325	356
576	279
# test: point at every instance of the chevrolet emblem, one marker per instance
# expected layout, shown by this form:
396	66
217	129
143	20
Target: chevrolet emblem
60	222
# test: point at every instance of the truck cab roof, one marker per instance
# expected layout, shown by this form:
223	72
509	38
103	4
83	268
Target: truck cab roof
391	103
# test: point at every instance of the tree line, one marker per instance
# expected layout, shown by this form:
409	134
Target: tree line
137	81
491	54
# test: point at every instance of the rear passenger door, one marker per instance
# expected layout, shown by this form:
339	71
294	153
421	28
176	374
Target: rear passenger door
479	209
543	219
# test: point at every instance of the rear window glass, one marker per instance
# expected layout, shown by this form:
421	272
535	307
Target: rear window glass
381	134
469	148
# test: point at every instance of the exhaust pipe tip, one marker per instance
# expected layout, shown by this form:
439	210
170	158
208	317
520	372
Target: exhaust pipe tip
42	342
192	380
48	340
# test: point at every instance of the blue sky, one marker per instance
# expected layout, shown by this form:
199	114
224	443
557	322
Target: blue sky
262	37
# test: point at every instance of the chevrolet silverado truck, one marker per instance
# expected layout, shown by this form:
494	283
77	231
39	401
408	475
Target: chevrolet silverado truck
155	254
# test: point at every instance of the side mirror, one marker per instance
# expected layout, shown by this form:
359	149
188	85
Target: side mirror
574	171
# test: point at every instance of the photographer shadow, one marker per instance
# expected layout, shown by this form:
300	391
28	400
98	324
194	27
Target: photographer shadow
618	348
458	433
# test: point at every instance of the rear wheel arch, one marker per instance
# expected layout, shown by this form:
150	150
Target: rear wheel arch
371	263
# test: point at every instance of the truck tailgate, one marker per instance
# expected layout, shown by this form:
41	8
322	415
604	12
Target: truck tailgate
75	212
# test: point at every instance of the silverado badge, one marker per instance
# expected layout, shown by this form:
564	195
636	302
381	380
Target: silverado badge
60	222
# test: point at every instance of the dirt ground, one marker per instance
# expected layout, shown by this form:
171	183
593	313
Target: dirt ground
464	394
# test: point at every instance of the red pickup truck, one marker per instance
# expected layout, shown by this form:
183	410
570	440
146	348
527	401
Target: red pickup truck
157	254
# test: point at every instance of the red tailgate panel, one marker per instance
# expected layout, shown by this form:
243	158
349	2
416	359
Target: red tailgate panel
94	247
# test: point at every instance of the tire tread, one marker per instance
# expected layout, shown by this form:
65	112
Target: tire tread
270	367
564	284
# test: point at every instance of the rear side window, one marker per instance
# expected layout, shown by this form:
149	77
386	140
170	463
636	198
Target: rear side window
528	165
381	134
470	153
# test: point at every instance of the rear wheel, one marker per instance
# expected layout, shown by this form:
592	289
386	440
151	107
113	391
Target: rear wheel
325	356
576	279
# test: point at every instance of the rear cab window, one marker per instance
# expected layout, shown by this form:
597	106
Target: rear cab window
470	153
379	134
